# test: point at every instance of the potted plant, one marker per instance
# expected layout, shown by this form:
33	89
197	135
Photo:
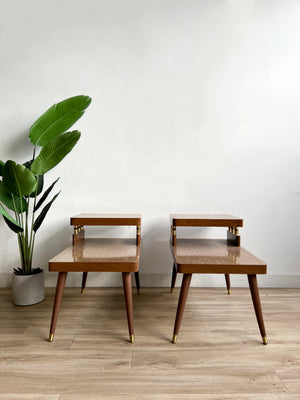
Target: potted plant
22	195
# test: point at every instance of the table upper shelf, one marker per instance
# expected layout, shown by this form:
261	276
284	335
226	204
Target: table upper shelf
107	219
222	220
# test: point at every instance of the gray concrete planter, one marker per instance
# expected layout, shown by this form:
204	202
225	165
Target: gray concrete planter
28	289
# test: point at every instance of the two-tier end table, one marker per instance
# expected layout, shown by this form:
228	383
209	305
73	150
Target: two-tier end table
213	256
99	255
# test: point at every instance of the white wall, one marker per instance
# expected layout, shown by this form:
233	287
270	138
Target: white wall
195	109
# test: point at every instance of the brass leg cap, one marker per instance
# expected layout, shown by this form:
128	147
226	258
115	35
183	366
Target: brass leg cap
229	291
265	340
82	291
131	338
174	339
51	336
172	289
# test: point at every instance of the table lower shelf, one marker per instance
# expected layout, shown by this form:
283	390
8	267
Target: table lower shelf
214	256
100	255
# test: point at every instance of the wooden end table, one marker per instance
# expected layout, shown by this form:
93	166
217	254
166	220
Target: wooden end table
213	256
99	255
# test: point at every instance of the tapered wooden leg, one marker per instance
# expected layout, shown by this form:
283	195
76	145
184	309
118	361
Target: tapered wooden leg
227	279
257	306
137	281
61	281
128	300
174	275
83	283
181	304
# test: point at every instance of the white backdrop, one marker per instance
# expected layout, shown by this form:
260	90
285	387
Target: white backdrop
195	109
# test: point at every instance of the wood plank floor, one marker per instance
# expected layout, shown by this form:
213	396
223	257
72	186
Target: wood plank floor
219	355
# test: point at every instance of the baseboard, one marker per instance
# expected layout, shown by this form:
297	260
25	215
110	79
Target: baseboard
163	280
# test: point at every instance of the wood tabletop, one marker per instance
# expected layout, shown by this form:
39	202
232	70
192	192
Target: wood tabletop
206	220
113	255
215	256
107	219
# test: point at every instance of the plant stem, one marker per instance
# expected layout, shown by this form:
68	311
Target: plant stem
28	260
20	236
31	250
15	210
24	240
32	236
21	253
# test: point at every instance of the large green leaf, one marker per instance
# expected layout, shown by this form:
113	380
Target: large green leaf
57	119
1	166
18	179
41	217
6	198
40	180
10	221
45	195
53	152
40	186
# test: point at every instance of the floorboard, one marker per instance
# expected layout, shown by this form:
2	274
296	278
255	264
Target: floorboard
218	356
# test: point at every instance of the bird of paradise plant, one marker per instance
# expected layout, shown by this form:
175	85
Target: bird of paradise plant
22	193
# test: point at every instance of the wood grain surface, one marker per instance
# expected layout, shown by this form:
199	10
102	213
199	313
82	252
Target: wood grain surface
113	255
205	220
106	219
220	358
215	256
